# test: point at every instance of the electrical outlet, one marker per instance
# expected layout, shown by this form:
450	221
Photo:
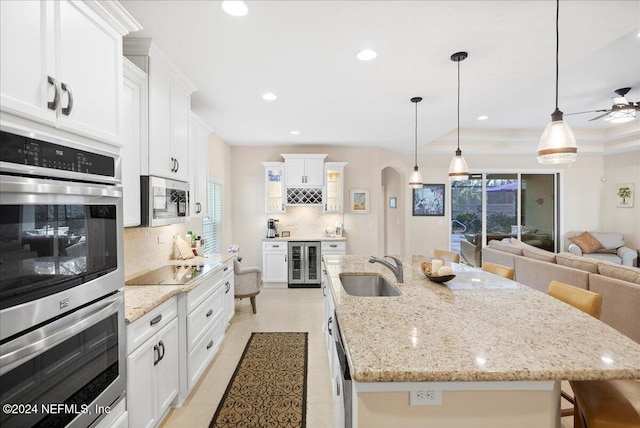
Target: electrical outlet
425	397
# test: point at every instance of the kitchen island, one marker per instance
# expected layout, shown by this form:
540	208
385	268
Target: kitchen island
493	350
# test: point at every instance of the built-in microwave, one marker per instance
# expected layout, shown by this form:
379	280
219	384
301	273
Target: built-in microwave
163	201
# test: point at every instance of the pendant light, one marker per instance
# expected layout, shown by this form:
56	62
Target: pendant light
458	169
557	143
415	179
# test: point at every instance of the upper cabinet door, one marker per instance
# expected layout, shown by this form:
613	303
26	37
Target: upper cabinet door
27	60
89	71
180	110
295	172
161	160
314	174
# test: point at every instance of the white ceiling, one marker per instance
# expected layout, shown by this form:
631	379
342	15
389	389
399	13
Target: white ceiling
304	52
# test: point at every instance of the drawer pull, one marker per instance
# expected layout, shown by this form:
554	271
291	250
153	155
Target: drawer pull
156	320
226	268
161	347
52	105
333	245
209	313
329	326
210	344
228	287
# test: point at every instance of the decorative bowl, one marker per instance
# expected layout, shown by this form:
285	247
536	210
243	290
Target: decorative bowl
442	278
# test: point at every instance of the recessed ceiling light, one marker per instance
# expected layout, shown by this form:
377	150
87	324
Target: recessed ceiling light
483	117
235	8
366	55
269	96
295	132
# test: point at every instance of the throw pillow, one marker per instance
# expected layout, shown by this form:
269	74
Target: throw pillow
587	243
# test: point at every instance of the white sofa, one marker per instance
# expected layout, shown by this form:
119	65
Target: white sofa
614	250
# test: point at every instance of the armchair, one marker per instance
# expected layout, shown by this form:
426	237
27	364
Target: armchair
248	282
613	250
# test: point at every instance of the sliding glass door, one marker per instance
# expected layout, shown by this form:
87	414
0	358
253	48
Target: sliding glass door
503	205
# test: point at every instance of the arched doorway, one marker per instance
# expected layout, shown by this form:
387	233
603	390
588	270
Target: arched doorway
393	211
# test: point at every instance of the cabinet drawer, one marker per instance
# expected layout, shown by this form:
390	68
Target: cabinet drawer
331	247
203	291
201	318
150	323
275	247
205	350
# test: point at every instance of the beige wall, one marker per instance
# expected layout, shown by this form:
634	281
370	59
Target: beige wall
618	169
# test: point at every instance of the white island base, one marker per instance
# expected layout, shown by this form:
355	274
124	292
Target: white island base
526	404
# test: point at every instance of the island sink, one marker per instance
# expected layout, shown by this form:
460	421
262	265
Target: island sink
368	285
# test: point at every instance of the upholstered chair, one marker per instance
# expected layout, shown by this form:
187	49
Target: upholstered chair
446	256
248	282
497	269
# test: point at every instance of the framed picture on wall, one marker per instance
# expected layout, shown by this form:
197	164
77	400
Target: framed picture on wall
429	200
360	201
625	194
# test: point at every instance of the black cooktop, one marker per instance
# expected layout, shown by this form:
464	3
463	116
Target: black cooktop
171	275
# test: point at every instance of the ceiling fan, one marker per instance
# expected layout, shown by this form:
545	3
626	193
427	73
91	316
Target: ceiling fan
621	111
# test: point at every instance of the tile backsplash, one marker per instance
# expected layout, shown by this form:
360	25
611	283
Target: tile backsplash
306	221
147	248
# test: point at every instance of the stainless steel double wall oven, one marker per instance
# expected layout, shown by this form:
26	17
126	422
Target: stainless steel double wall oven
62	344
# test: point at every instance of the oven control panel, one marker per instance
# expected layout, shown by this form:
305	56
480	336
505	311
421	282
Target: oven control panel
27	151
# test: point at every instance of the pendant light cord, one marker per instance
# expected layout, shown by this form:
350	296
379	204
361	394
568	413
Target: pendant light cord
416	136
557	46
458	106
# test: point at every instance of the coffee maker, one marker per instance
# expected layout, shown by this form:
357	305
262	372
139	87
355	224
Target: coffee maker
272	228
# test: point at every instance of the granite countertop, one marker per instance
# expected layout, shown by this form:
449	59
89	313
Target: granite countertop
476	327
306	238
141	299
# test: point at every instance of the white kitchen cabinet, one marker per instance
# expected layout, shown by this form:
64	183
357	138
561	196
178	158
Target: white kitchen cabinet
152	367
304	170
62	64
199	161
333	196
274	188
229	292
134	134
331	248
201	315
274	261
167	154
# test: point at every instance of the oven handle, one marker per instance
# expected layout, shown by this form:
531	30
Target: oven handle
11	184
38	341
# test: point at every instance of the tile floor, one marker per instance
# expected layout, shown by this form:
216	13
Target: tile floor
279	309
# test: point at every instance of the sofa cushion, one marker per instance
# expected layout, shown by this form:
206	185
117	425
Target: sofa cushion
609	240
538	274
619	304
604	257
577	262
538	254
506	247
624	273
587	242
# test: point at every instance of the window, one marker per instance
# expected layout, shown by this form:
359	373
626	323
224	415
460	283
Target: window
212	224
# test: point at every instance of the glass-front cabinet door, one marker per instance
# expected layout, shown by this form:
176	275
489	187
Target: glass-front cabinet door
334	187
274	187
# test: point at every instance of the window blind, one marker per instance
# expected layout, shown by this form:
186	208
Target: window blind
212	224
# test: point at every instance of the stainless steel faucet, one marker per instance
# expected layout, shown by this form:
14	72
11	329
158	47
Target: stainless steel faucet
397	269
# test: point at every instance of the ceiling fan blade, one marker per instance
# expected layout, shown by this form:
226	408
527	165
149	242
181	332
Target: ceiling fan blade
598	117
589	111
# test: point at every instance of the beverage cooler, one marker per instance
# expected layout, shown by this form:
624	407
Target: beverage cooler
305	265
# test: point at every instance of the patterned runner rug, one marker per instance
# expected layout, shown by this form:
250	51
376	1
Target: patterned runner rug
269	385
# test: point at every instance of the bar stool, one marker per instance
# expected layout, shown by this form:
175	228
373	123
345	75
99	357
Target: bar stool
446	255
607	403
497	269
585	300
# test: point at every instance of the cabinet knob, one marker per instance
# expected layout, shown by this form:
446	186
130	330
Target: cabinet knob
210	344
209	313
